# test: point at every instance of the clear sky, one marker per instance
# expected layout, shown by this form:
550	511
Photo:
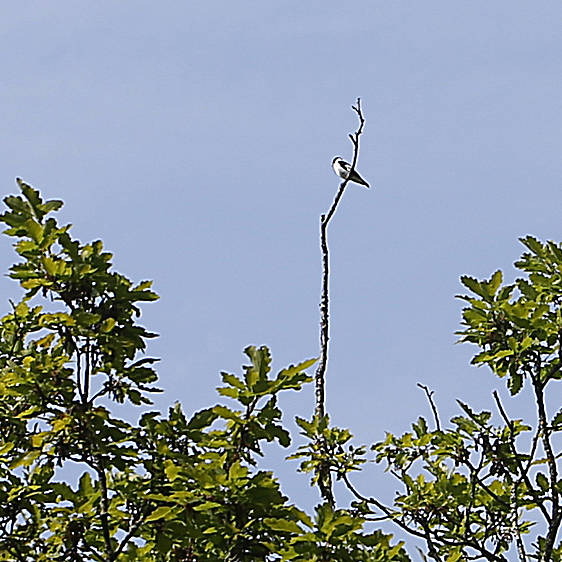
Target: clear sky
196	138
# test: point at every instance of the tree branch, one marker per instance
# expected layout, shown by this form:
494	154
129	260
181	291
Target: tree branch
424	535
429	394
325	300
104	516
523	470
88	373
556	514
134	528
325	480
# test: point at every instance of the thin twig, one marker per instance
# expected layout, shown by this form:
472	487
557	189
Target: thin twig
518	539
429	394
19	555
104	513
484	486
134	528
325	300
88	373
524	471
554	525
385	509
324	477
392	515
95	553
79	374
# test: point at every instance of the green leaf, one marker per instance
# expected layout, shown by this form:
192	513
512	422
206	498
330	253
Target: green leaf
228	391
206	506
293	370
52	205
71	246
515	383
495	282
32	195
172	470
226	413
107	325
454	555
202	419
237	471
474	285
420	427
164	543
17	204
233	380
85	484
282	525
160	513
557	421
28	412
542	482
261	361
533	244
309	428
25	460
6	448
35	230
282	435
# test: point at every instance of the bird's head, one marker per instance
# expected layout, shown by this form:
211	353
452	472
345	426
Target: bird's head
336	159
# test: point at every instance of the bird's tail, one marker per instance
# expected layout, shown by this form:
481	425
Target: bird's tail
358	179
361	181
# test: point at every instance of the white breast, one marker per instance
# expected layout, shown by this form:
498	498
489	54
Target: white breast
340	170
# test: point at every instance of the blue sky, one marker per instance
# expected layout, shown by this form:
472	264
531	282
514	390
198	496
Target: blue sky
196	140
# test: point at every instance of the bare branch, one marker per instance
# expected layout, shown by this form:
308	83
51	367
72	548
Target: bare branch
426	535
136	523
325	301
429	394
554	524
524	471
88	373
325	479
104	515
520	546
385	509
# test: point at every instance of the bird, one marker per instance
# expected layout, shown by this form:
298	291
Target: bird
342	168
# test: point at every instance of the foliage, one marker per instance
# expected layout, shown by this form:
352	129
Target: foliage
172	487
179	487
480	490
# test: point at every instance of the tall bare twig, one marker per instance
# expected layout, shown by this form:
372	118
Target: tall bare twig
325	298
324	479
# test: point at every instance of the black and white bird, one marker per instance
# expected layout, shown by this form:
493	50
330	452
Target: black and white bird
342	168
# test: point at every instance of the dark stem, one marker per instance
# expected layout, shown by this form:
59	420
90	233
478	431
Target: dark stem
324	480
429	394
104	513
95	553
79	374
392	515
88	372
18	554
134	528
325	299
324	321
523	470
556	514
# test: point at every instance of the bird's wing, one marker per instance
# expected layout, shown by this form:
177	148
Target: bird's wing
345	165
